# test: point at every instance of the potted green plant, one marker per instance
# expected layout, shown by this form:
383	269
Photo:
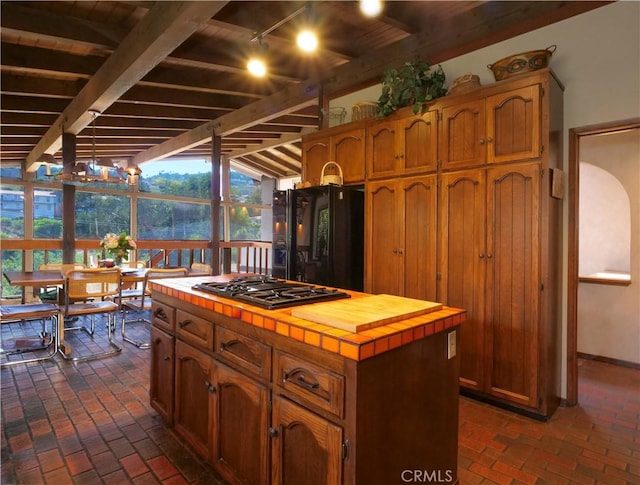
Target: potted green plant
414	83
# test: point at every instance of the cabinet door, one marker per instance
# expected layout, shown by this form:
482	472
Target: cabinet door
306	449
462	259
382	150
383	268
193	399
315	153
347	150
514	125
462	135
241	422
162	367
418	229
419	143
513	282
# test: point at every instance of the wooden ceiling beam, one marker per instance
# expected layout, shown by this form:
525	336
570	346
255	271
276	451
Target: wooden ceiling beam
160	31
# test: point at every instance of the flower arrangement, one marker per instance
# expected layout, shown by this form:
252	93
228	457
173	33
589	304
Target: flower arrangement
118	246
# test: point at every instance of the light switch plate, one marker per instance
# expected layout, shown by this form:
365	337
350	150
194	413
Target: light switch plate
451	344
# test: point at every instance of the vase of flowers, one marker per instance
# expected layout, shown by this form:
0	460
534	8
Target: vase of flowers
118	246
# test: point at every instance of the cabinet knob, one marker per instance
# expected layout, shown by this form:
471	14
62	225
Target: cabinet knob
481	255
210	387
400	251
401	155
481	141
273	432
395	251
167	358
395	156
489	255
489	139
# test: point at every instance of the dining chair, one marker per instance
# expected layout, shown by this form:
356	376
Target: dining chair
22	314
90	292
144	302
130	289
51	293
201	267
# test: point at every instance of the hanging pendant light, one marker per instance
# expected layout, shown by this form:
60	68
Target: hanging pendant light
97	170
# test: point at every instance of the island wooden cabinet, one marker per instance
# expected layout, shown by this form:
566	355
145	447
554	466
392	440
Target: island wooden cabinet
240	423
406	144
264	408
162	368
193	417
305	447
504	127
345	146
400	237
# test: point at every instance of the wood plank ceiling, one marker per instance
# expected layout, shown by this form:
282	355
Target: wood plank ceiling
165	76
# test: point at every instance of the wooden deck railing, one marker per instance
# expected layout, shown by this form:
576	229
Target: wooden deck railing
235	256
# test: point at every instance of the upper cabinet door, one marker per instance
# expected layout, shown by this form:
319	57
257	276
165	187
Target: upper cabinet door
462	136
314	155
419	143
347	150
513	125
382	150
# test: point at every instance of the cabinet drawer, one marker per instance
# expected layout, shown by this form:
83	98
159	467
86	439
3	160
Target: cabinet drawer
243	351
195	330
313	384
163	316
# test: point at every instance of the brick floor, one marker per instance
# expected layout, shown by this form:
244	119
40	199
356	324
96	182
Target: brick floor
91	423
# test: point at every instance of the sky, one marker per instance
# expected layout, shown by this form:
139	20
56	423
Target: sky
175	166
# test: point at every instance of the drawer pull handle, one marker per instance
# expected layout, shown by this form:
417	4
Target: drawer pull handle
160	313
227	345
185	323
300	379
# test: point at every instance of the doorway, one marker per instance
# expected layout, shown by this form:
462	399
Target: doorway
575	136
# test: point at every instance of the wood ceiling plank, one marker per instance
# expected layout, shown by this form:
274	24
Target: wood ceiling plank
164	28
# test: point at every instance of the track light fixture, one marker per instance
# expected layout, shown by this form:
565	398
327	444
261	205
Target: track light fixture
306	40
371	8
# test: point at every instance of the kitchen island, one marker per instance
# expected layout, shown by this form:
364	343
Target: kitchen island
270	398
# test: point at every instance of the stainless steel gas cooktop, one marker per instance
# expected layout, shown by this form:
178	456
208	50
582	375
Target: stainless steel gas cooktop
269	292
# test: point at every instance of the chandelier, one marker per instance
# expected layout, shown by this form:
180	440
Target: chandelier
102	170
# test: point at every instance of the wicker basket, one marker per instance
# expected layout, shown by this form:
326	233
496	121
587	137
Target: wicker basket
521	63
363	110
465	83
335	115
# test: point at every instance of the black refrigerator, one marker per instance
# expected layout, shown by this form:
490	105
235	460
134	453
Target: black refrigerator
318	236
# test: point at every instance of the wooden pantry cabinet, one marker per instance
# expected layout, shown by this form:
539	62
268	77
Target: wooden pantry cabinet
500	238
460	211
400	237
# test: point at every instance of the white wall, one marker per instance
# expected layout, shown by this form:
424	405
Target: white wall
609	315
597	60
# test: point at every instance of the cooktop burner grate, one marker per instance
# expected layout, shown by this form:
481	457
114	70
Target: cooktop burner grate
269	292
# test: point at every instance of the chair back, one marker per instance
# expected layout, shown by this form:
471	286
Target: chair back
84	284
63	267
157	274
201	267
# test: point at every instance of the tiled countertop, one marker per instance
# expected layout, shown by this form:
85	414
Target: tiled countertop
355	346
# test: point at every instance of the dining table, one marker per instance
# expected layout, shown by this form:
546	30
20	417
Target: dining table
40	279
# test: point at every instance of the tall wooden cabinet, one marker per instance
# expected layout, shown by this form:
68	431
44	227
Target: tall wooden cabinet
500	237
460	211
401	237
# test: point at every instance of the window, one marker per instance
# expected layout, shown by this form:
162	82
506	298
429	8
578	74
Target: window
98	214
11	212
167	219
47	213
